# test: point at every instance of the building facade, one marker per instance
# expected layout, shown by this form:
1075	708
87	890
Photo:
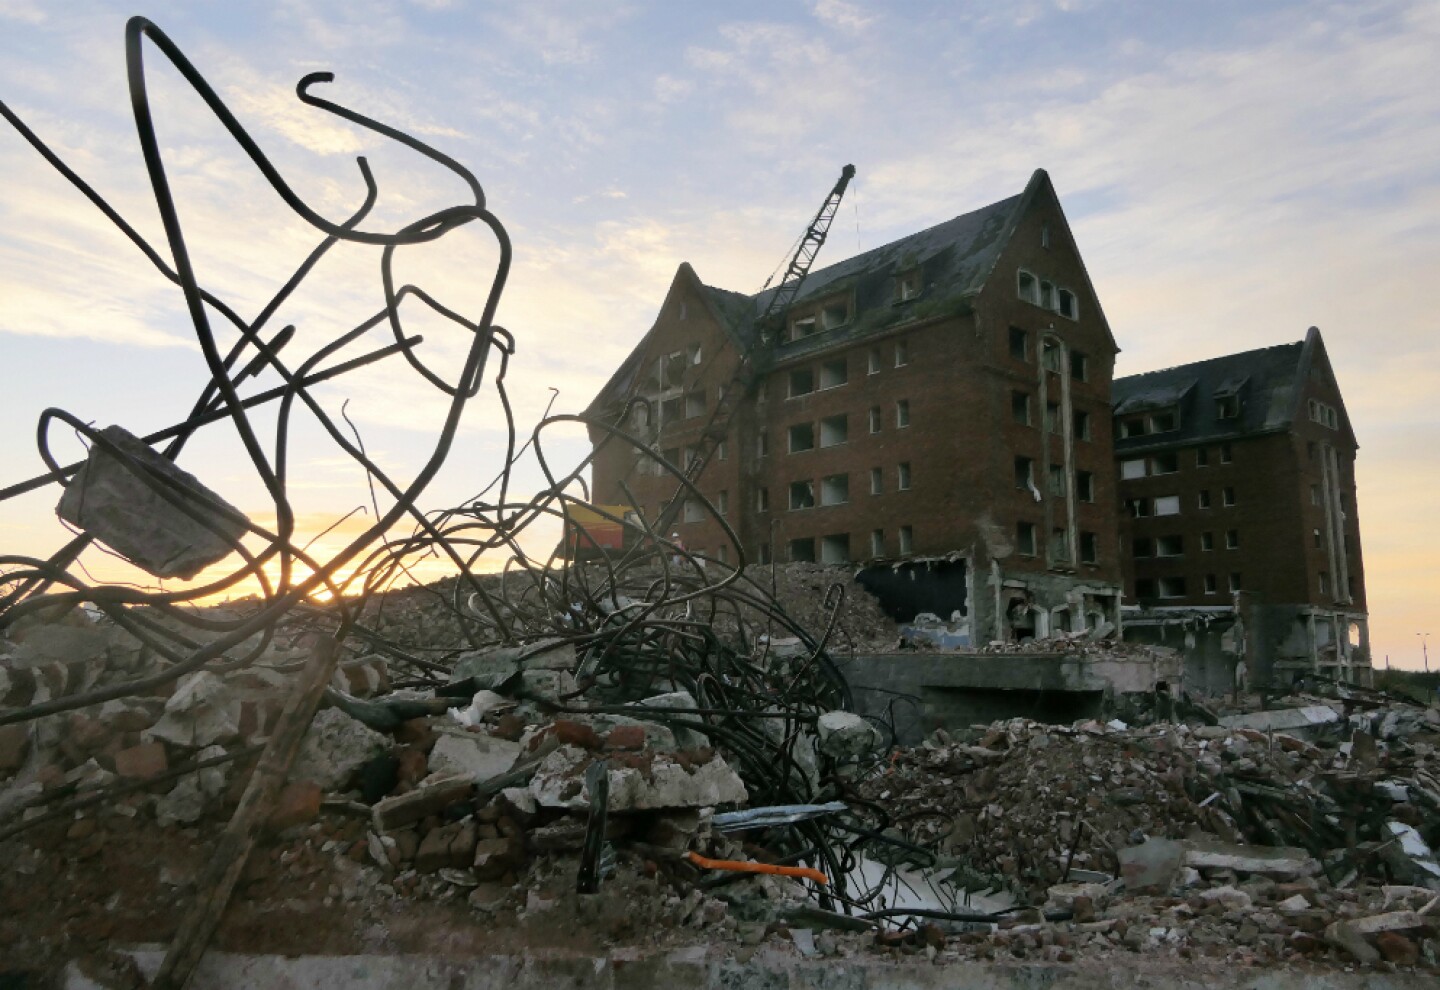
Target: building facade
934	411
1237	498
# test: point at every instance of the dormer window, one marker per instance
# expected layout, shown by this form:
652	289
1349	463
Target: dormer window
1227	407
802	327
835	315
907	286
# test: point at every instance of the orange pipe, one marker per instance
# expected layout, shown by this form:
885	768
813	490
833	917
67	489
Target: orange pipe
743	866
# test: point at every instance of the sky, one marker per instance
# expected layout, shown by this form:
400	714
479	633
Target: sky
1233	172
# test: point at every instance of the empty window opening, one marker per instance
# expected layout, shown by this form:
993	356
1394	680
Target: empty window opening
722	554
1024	473
762	443
1211	585
1137	508
1132	469
1172	587
1324	583
1167	505
1045	236
902	413
672	370
1065	304
1028	286
1089	548
1053	418
692	454
1169	546
835	549
875	418
802	437
1225	455
695	403
1050	356
762	553
1133	427
1207	541
1085	486
802	495
762	500
1079	366
1020	407
1317	539
877	543
1059	545
1057	480
1227	407
1142	546
672	410
1203	499
802	381
1234	580
1227	496
694	350
722	503
1310	449
1202	457
835	489
873	362
907	539
1047	294
802	551
1019	344
802	327
902	476
1165	463
1232	539
692	511
1145	588
1025	539
1164	421
907	286
834	430
835	315
833	374
902	353
1314	494
877	481
1080	422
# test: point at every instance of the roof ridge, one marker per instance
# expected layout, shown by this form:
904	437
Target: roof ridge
1295	344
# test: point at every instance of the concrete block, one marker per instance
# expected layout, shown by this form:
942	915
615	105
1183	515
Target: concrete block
470	754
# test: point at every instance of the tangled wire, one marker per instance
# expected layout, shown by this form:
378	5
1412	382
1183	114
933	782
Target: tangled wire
652	618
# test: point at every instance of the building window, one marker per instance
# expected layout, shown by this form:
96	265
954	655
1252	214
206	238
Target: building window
1133	427
873	365
762	391
722	554
1227	407
1019	344
902	476
834	430
1211	585
1234	580
1045	236
907	540
1165	464
1080	421
1164	421
1047	294
1085	486
1052	417
835	315
1227	496
1065	304
802	382
902	353
874	419
1079	366
1050	356
902	413
1141	547
695	403
802	327
1020	407
722	450
1324	583
1059	546
1232	539
1204	498
1172	587
762	553
722	503
1027	286
1317	539
1202	457
1145	588
1137	508
1132	469
1169	546
762	443
907	286
1225	457
1310	449
802	551
1089	548
1024	473
835	549
835	373
802	495
1314	494
802	437
762	500
1025	539
877	543
1057	480
1167	505
877	481
691	511
672	410
1207	541
692	454
835	489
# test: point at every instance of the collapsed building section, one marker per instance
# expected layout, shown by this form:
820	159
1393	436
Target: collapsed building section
933	411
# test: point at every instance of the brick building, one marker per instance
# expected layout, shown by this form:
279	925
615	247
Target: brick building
935	410
1237	495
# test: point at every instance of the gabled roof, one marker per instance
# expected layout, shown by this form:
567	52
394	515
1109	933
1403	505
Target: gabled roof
1268	382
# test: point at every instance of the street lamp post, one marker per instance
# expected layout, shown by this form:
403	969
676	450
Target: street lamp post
1424	649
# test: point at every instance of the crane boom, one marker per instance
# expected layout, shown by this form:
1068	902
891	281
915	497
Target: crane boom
753	357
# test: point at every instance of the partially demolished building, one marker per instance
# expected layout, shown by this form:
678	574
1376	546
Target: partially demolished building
1237	480
935	407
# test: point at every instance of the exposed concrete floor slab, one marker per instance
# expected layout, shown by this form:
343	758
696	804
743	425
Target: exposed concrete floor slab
700	969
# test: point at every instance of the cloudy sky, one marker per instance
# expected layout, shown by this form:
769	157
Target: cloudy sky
1234	173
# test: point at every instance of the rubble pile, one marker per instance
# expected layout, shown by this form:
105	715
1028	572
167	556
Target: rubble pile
803	590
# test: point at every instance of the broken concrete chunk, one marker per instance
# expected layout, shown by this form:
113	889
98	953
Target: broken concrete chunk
479	757
185	804
846	736
431	797
494	666
202	711
1228	897
1292	720
1275	861
1409	857
559	783
1392	921
685	738
149	511
334	748
1343	935
1151	867
547	685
